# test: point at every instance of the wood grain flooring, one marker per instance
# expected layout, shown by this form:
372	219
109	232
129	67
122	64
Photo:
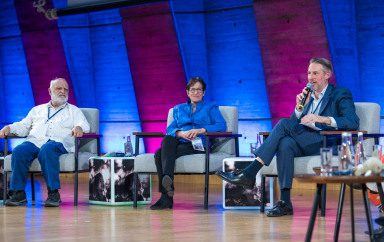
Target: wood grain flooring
188	221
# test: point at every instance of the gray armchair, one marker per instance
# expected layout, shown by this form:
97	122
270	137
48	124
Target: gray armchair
226	144
85	147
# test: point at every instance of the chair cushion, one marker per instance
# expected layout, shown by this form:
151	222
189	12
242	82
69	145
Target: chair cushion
145	163
67	162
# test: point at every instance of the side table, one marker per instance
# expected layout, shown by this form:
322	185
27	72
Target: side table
238	197
111	182
321	181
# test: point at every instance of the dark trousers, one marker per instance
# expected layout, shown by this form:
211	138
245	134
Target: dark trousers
48	155
166	156
287	140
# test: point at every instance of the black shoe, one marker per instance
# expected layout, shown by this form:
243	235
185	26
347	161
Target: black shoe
53	199
280	209
380	221
164	202
237	179
167	183
18	198
378	234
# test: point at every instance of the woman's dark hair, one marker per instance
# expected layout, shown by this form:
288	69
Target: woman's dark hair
195	80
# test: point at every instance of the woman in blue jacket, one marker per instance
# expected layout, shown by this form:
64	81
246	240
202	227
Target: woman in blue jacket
191	120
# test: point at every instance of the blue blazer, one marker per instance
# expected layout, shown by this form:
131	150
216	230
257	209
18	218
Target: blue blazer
336	103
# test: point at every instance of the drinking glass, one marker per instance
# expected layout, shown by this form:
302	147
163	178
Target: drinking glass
326	160
253	147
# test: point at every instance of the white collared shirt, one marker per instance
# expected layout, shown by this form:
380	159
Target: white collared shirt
39	127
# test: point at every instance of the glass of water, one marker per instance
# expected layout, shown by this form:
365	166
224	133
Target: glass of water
252	148
326	160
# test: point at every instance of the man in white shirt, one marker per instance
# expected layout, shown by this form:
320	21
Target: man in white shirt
51	129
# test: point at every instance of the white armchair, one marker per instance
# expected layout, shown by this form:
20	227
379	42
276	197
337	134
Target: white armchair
85	147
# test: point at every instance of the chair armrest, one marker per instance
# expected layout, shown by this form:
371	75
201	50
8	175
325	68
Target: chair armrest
335	133
227	136
354	133
145	135
14	136
10	136
149	134
339	132
264	134
77	145
374	135
222	135
89	136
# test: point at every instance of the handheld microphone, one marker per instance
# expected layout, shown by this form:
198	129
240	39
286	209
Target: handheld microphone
308	88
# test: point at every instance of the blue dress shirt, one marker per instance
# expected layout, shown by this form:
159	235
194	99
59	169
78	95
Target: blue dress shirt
207	115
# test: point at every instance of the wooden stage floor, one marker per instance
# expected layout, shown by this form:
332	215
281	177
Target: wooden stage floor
188	221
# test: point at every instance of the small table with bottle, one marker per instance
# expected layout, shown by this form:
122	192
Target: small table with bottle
321	181
111	179
352	160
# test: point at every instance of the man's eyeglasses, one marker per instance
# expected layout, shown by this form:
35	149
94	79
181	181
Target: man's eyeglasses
195	90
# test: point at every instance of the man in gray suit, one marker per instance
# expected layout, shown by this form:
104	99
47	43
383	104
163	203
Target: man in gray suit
328	108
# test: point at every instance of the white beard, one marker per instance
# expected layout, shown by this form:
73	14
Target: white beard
59	100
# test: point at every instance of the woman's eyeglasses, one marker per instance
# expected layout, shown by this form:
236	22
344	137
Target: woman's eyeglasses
195	90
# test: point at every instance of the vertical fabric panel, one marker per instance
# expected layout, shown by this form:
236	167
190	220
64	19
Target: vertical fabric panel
98	63
16	97
15	89
235	66
76	38
370	39
43	49
115	92
370	19
189	21
156	66
290	33
340	24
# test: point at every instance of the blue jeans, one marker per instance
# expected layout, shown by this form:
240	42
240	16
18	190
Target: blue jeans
48	155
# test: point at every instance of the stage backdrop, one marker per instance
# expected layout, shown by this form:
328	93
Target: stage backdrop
133	63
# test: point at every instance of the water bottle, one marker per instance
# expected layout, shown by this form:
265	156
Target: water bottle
128	150
258	141
359	150
345	150
255	145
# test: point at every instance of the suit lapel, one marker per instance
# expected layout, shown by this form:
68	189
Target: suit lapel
326	98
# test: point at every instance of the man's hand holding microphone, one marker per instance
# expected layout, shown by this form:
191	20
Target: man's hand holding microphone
301	100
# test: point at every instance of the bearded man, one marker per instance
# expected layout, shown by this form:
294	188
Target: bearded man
51	129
